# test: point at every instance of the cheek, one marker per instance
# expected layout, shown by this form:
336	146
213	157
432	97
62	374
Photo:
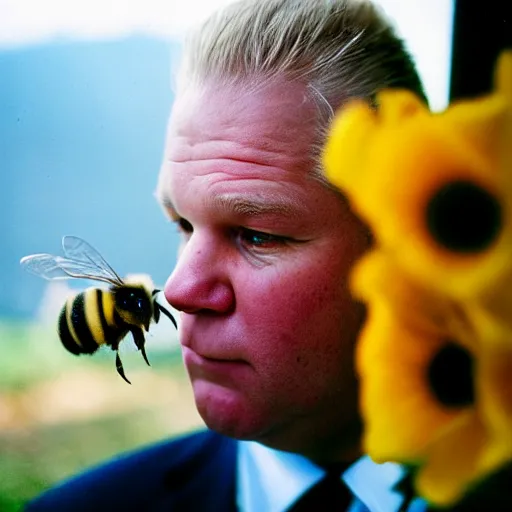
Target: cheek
298	317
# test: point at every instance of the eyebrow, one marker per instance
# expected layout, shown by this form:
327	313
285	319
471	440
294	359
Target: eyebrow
246	206
255	205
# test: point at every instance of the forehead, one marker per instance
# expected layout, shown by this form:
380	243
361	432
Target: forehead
278	116
255	141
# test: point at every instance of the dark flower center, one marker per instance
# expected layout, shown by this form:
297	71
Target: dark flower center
450	375
464	217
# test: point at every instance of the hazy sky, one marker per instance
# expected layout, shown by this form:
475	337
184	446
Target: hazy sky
75	113
426	26
32	21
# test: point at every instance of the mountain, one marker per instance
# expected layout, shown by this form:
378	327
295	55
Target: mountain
82	127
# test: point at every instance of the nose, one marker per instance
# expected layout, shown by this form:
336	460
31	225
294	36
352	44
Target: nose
200	281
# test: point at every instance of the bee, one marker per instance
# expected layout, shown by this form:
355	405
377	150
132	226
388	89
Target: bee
98	316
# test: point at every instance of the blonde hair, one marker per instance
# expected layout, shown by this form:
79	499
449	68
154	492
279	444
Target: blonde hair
339	49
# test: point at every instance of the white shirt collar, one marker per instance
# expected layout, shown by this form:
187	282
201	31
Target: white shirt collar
272	480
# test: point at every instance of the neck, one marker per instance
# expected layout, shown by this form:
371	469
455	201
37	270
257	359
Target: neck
321	447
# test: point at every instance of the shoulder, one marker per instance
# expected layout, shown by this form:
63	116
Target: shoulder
159	473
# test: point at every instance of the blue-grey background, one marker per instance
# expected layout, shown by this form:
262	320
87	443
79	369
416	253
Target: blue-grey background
83	113
82	128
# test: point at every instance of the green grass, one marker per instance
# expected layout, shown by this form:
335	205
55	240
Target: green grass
32	353
34	460
36	453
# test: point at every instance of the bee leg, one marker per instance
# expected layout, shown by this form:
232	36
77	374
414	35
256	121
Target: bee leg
167	314
156	313
140	341
156	306
120	369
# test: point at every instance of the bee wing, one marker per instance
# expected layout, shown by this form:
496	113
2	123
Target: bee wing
52	267
79	251
44	265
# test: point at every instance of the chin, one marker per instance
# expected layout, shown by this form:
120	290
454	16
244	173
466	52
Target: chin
228	411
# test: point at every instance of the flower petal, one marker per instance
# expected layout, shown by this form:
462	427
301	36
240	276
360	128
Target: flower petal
406	327
400	412
495	388
453	462
407	159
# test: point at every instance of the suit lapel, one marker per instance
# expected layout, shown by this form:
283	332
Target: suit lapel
203	481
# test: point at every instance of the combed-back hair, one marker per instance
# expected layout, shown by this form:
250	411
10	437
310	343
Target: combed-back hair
340	49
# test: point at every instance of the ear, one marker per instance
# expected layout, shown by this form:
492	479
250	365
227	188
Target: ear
349	135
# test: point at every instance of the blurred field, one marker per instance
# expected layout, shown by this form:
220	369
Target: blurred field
60	413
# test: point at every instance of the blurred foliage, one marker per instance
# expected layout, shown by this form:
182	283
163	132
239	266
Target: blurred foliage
60	414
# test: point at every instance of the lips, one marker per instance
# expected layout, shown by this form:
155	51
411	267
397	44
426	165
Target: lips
219	360
221	371
205	342
214	358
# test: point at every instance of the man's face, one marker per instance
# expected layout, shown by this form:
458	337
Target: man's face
267	324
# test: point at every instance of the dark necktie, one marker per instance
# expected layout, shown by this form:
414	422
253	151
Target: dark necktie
329	494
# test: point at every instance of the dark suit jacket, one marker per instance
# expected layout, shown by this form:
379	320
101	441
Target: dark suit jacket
191	473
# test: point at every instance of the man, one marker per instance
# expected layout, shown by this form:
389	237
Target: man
268	326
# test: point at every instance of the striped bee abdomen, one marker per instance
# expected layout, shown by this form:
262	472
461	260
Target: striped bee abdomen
101	317
84	325
66	337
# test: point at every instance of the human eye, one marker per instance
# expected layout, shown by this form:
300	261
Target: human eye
184	227
258	240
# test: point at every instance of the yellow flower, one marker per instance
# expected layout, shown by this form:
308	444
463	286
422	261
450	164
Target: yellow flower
435	188
433	394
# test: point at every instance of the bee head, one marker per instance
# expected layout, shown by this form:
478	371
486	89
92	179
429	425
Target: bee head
134	305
